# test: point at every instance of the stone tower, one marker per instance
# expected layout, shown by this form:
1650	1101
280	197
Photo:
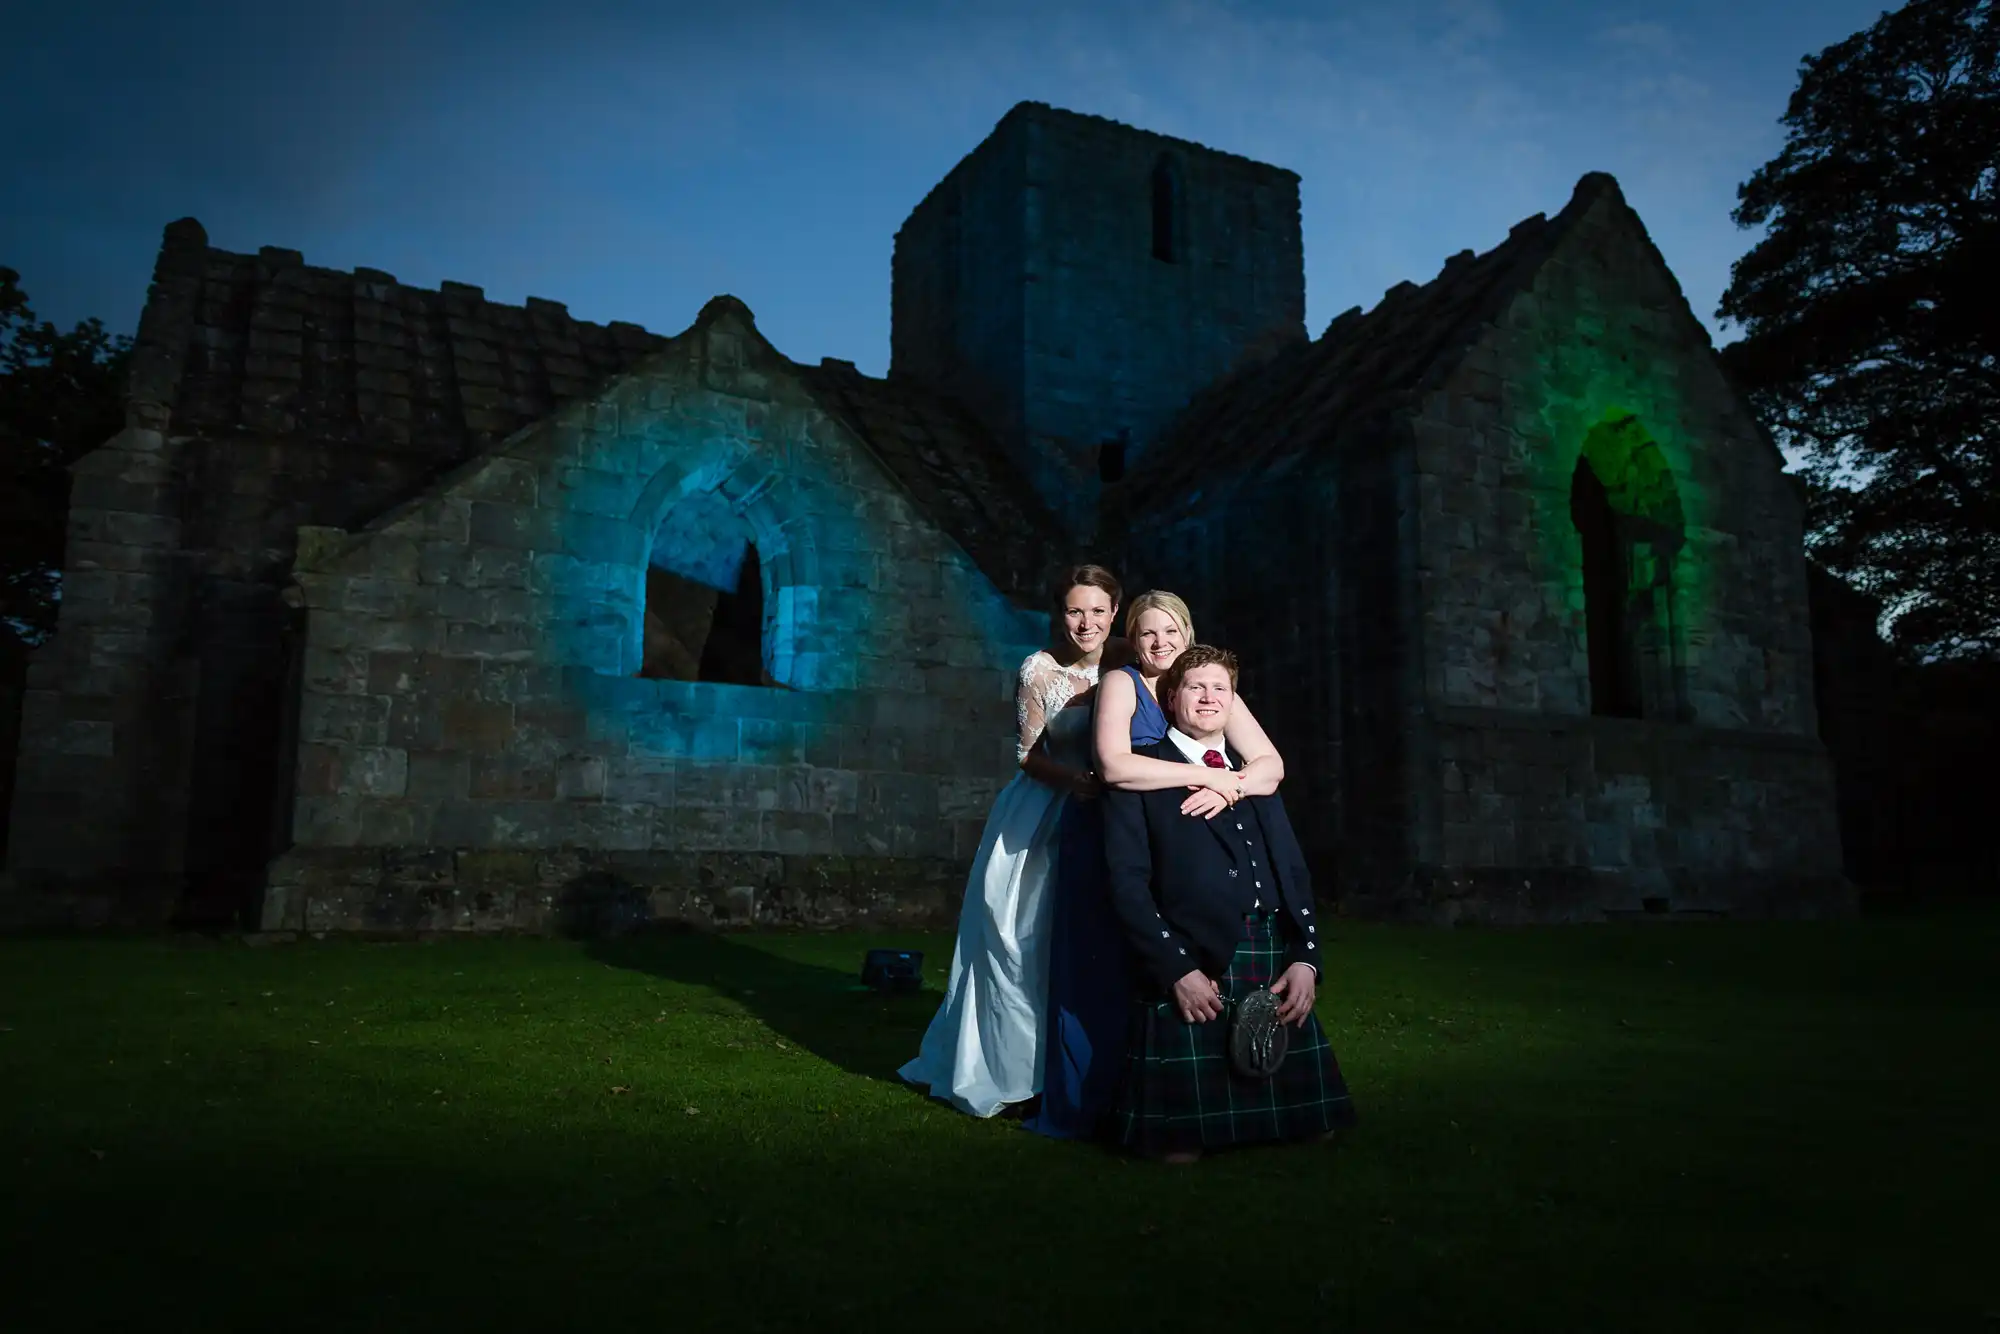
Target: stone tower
1075	281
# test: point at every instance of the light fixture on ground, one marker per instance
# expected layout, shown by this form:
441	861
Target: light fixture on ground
893	970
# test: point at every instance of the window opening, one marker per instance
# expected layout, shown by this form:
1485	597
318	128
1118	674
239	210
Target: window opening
734	653
1166	211
1614	684
1111	458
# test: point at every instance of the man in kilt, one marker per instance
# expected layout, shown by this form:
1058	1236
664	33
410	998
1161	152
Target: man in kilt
1215	909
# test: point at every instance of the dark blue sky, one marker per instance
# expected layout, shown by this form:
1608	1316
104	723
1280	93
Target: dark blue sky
634	160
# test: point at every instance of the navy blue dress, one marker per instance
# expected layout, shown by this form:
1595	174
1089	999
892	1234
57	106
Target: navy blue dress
1090	973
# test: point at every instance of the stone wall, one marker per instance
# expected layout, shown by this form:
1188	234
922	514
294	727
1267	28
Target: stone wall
1604	332
1027	282
1402	578
1721	799
245	499
1303	571
468	671
1544	818
161	726
437	718
595	892
1385	799
1276	604
107	711
266	394
707	802
956	299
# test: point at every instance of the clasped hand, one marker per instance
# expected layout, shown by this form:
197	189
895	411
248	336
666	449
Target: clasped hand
1296	991
1199	999
1215	792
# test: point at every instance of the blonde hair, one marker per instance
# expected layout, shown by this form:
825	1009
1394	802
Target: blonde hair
1159	600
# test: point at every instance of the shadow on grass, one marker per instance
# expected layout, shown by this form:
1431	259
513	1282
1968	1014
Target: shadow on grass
625	1230
1728	1166
482	1216
823	1010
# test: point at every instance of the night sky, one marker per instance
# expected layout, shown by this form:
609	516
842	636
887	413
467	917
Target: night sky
635	160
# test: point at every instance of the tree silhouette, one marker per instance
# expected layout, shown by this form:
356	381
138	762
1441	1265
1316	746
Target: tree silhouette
61	395
1871	344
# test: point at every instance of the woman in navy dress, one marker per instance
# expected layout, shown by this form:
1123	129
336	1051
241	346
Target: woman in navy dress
1090	979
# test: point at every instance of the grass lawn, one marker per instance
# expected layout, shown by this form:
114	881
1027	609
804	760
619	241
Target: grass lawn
1677	1128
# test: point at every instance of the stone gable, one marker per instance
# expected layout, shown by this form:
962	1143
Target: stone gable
1603	334
1715	795
1423	630
469	678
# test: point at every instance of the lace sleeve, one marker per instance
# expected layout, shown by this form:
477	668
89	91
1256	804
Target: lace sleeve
1043	691
1030	712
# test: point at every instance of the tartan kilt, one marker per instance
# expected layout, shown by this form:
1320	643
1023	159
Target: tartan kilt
1180	1093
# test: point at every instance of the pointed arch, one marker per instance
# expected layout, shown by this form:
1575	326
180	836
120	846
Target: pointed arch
722	557
1614	688
1626	509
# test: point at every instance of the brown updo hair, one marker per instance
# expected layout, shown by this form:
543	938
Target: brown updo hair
1089	576
1196	655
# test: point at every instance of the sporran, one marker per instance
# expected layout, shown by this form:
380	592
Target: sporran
1258	1039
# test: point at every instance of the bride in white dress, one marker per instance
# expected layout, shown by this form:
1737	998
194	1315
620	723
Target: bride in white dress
983	1050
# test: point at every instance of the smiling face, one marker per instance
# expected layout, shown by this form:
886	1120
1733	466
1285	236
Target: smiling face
1202	700
1158	639
1087	616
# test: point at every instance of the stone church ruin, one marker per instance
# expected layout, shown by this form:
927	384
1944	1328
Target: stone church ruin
399	609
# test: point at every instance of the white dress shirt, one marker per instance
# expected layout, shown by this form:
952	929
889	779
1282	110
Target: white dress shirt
1194	750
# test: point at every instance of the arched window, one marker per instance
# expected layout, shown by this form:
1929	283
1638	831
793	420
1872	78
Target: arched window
1614	688
704	618
1167	239
1630	533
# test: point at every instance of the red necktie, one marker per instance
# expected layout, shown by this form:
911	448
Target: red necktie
1213	759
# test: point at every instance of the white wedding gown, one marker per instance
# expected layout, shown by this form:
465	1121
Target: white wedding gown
983	1049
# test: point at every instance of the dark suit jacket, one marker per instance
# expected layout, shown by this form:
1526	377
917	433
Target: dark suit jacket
1169	878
